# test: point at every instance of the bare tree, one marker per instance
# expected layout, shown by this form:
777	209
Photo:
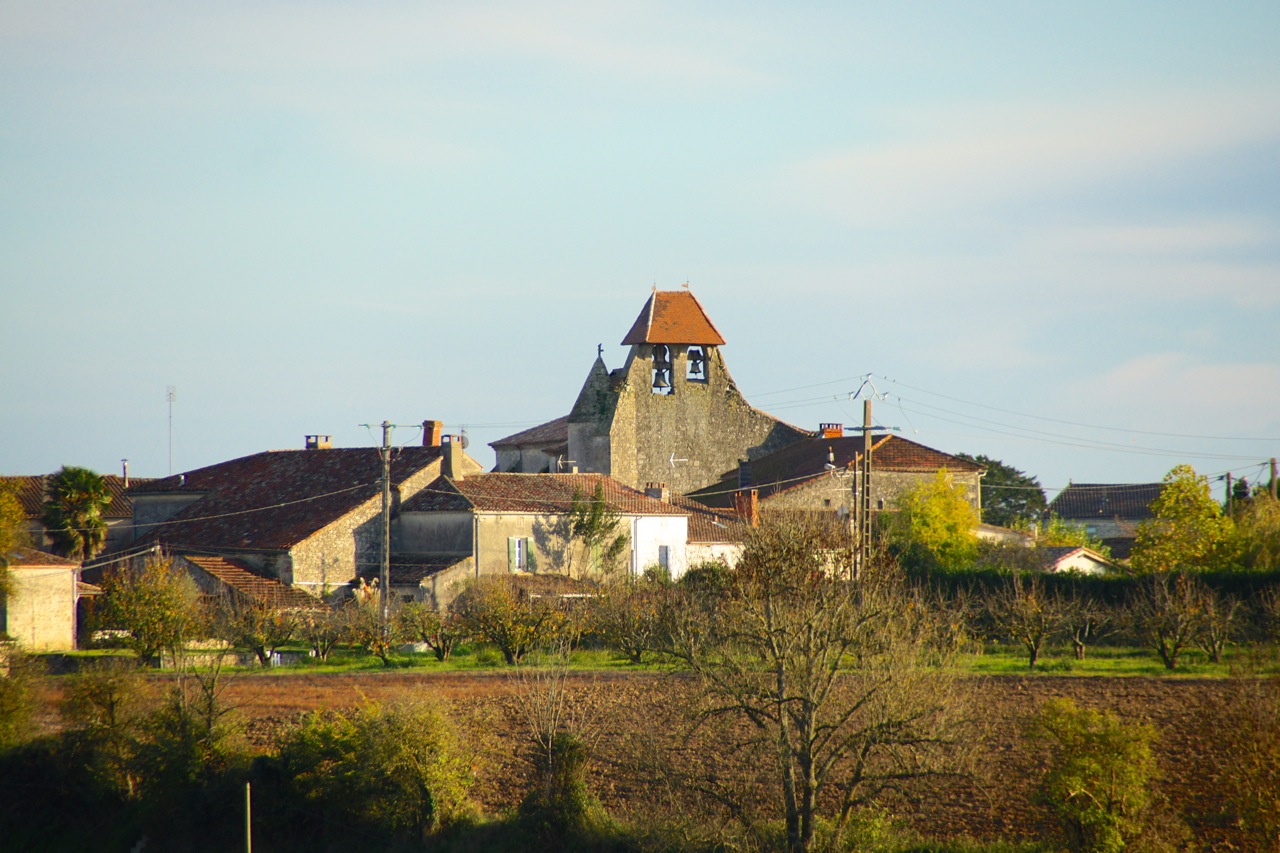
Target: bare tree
1219	623
1087	620
441	631
1025	612
1166	614
827	676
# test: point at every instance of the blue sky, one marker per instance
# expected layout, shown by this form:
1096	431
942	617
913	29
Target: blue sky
1049	232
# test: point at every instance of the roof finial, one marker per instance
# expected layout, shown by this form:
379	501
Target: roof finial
686	284
599	350
655	287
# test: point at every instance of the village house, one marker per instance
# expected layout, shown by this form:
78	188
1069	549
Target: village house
40	610
1108	511
820	474
456	529
309	519
672	414
33	491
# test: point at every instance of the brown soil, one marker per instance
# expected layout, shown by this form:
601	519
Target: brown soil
631	716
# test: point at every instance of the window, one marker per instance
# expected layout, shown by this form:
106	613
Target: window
520	554
664	556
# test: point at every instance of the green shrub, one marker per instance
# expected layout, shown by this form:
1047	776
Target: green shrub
391	770
1099	776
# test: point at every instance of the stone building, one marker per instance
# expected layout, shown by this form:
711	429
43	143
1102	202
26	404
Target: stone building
40	611
1109	511
307	518
33	491
819	473
672	414
499	524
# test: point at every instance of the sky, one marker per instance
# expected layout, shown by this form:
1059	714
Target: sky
1044	233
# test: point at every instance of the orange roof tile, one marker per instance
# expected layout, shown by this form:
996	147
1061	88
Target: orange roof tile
673	317
255	587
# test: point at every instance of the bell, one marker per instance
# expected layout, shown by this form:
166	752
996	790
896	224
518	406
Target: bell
695	362
660	379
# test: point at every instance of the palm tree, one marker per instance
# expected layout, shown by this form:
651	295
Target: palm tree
73	512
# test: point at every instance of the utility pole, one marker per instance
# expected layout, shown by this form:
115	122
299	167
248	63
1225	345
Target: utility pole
862	537
1273	478
1228	501
385	576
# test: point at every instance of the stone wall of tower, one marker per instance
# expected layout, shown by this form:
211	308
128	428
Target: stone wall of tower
689	436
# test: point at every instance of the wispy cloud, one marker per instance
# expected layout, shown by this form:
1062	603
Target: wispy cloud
960	161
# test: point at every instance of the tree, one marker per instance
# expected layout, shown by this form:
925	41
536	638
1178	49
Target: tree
73	512
1187	529
256	626
626	615
394	770
1167	614
825	674
157	604
441	631
933	524
1026	613
596	527
1255	545
322	629
1087	619
13	533
496	610
1009	496
1099	776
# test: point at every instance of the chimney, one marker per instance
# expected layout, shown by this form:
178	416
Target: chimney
450	456
319	442
124	463
657	491
746	504
431	433
831	430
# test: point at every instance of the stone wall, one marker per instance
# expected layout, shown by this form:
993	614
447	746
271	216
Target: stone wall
40	613
686	436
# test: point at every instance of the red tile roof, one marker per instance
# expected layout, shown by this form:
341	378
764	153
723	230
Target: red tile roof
23	558
709	525
33	490
807	459
276	499
538	493
253	586
673	317
552	432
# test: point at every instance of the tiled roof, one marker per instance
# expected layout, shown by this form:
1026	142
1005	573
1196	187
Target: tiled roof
413	568
808	458
673	317
556	431
538	493
32	492
1082	501
709	525
23	558
253	586
275	499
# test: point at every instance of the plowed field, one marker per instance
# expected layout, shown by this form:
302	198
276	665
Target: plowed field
630	717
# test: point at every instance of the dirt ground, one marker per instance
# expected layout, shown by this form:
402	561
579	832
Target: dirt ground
630	716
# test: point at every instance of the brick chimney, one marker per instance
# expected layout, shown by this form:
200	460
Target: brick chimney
831	430
319	442
431	433
658	491
746	504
